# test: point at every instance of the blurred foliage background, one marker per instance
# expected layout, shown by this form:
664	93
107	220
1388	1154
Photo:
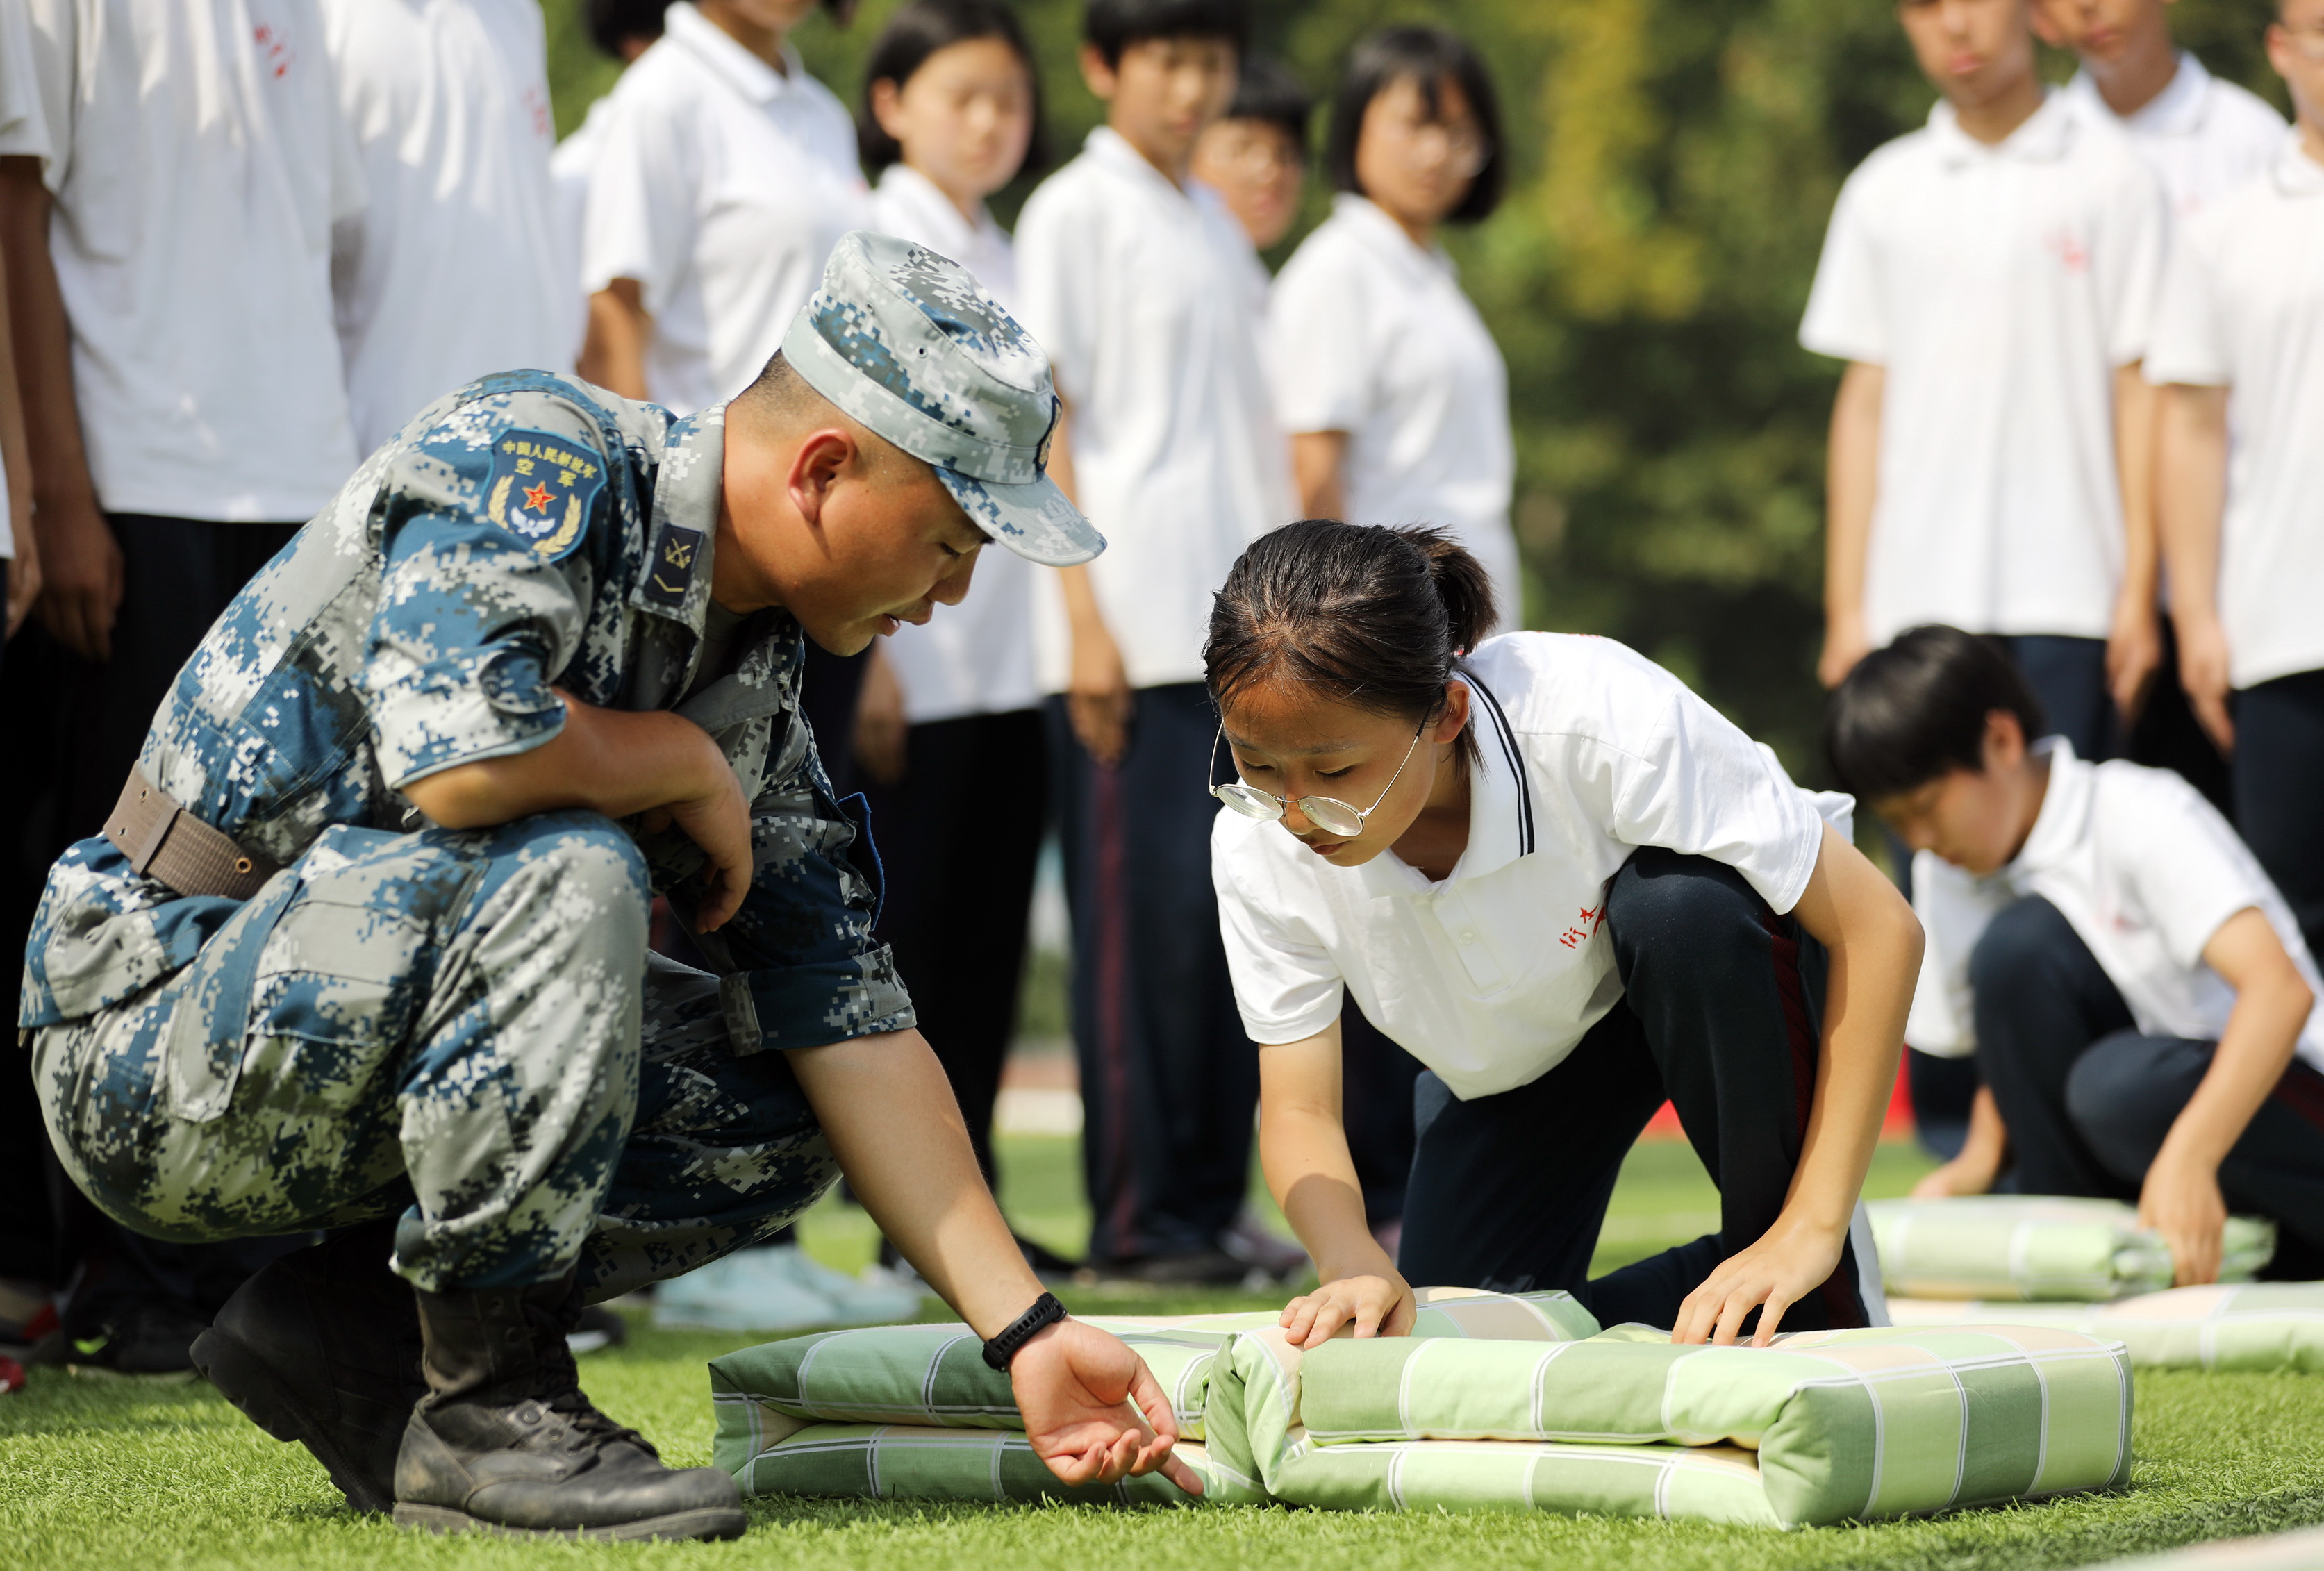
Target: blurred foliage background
1674	163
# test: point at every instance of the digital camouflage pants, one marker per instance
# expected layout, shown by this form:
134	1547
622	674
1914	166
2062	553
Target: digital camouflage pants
463	1026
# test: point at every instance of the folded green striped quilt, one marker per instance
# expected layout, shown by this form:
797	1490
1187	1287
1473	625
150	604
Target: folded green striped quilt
1501	1403
2250	1325
2038	1247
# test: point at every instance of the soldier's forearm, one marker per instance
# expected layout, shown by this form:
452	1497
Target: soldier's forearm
605	761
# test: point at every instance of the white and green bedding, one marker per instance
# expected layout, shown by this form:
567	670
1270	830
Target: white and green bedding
2034	1248
1497	1403
2247	1326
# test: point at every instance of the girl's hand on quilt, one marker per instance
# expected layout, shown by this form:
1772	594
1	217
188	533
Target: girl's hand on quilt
1370	1306
2181	1201
1791	1260
1092	1410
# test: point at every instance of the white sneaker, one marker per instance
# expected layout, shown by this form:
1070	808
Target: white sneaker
742	1293
877	1298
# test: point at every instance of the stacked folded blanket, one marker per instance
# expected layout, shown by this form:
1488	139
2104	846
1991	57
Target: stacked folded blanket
2039	1247
1497	1402
2253	1326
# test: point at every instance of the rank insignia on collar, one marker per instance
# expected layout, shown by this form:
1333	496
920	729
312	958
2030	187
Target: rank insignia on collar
670	574
540	489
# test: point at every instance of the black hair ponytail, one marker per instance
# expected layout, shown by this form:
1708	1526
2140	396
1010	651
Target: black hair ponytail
1377	618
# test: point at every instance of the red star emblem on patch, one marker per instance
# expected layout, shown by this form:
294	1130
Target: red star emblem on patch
538	498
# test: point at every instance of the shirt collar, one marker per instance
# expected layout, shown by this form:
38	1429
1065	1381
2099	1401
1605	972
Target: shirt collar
932	211
2065	815
1382	235
675	581
1112	150
2044	137
2296	172
744	71
1500	806
2178	110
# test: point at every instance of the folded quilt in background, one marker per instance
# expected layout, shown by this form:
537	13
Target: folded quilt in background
2250	1325
2039	1247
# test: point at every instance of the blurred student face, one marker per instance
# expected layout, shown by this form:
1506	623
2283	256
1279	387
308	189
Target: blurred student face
2098	29
1973	50
1290	742
1416	164
1164	92
1977	820
2295	48
1260	172
963	119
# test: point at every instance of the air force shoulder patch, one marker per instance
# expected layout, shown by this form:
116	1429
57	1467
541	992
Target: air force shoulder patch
541	488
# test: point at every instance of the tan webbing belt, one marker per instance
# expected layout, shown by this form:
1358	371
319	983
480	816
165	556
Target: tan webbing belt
165	842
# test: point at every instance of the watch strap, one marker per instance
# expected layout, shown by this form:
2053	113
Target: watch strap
1003	1346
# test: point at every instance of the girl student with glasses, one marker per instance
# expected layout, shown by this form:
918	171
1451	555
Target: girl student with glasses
1571	889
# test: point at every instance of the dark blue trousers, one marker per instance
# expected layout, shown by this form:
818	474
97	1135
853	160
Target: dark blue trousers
1721	1012
2279	790
2087	1099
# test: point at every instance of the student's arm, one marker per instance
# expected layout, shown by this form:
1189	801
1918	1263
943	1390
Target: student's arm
1874	942
1098	696
1851	480
16	462
2134	644
1304	1148
2180	1198
1093	1410
1318	464
1981	1155
620	329
2191	495
81	562
882	730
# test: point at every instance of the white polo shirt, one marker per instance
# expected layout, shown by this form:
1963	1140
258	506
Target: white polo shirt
721	185
23	135
2243	307
1139	291
2001	288
1372	336
2202	137
976	658
568	172
456	268
199	160
1490	978
2144	869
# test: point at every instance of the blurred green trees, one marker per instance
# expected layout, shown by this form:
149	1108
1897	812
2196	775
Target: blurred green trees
1674	165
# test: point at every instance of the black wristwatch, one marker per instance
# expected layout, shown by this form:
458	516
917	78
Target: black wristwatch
1046	1311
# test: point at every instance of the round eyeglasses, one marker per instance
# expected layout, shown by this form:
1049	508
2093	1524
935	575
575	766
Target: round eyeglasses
1328	814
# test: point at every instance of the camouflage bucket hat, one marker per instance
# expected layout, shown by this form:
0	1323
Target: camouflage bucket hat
909	343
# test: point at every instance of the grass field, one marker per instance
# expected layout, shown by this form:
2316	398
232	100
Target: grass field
114	1475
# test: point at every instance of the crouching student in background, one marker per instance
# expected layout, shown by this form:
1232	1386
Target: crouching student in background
1571	889
2141	1005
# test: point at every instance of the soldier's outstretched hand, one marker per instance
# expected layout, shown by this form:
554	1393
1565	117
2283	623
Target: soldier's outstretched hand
1092	1410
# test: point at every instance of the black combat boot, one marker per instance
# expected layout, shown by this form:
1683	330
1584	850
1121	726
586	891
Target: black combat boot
505	1443
323	1347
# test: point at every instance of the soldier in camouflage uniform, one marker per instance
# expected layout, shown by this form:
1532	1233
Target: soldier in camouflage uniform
364	947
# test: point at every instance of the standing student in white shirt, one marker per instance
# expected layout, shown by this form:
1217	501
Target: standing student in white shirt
2139	1002
1395	396
621	29
168	252
1136	280
950	736
2202	137
2239	346
1989	279
456	267
1571	889
1254	155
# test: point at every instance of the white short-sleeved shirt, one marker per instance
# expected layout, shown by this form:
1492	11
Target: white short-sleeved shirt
2202	137
199	160
721	185
2001	288
976	658
456	269
1141	293
568	172
1589	751
23	135
2147	873
2242	306
1372	336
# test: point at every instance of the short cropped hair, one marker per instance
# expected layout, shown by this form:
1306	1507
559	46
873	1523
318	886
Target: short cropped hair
1269	93
1916	711
614	22
917	31
1112	26
1425	56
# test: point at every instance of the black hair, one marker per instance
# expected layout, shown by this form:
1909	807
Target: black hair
918	30
1267	92
1378	618
1916	711
1425	56
1112	26
614	22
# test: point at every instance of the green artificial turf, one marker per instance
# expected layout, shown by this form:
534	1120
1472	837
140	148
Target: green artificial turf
106	1474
